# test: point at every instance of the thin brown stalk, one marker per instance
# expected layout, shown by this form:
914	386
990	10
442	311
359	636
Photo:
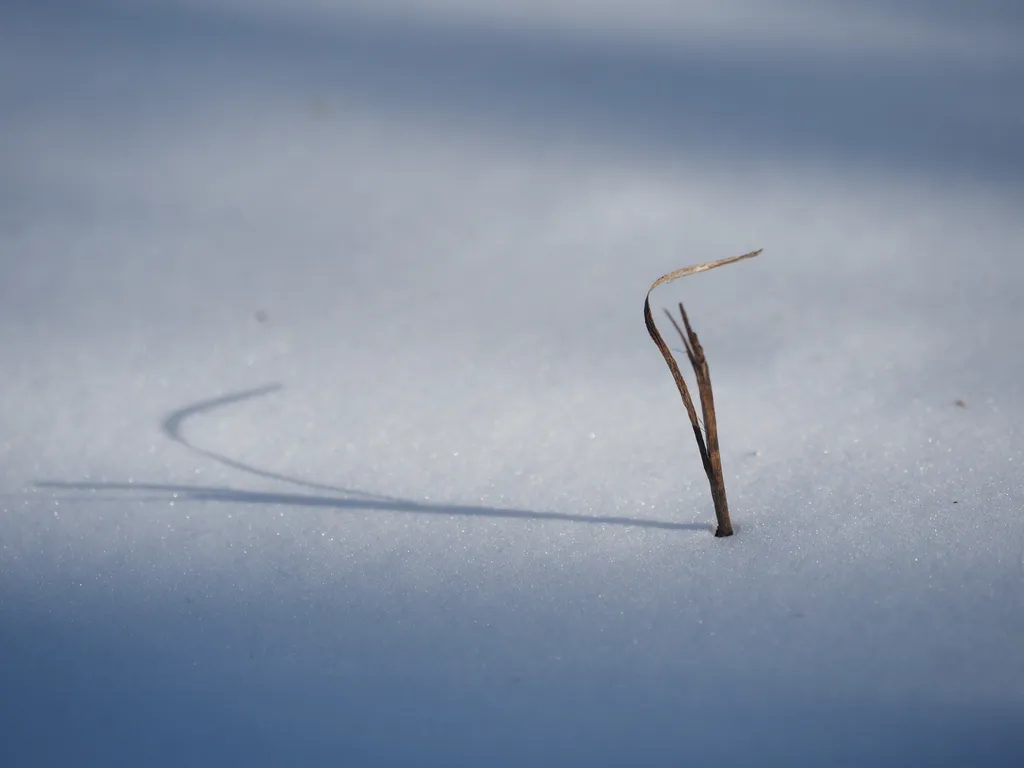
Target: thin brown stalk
710	453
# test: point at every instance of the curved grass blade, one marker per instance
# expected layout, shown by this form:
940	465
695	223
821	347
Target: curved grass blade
709	452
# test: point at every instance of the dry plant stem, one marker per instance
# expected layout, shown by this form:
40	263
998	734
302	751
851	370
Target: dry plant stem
709	453
712	455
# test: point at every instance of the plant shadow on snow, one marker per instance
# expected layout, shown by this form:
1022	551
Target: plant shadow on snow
340	498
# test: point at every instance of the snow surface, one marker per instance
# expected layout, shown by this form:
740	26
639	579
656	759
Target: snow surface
330	432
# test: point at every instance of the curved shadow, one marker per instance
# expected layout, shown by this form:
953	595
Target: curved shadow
172	428
348	499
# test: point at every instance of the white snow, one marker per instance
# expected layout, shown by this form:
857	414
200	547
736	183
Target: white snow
330	433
